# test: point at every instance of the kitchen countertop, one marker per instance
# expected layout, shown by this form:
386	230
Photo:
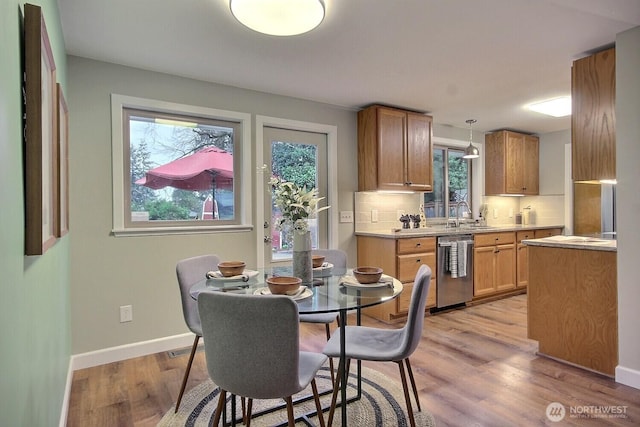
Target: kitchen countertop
575	242
440	230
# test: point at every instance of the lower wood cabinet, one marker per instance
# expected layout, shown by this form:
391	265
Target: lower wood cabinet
400	258
494	263
522	263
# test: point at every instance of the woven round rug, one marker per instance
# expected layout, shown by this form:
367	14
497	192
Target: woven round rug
382	404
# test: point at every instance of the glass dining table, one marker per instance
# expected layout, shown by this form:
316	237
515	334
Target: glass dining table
331	291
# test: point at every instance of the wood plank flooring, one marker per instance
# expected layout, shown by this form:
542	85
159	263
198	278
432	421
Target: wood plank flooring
474	367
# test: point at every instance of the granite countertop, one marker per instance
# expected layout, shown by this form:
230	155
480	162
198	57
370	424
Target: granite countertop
575	242
440	230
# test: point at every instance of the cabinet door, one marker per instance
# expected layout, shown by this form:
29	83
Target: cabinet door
514	163
531	159
392	130
419	153
483	269
505	271
522	268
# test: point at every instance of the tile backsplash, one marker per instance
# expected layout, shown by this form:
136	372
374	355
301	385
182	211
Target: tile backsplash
545	210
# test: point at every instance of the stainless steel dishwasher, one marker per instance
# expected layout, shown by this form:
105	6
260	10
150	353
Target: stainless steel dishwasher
455	270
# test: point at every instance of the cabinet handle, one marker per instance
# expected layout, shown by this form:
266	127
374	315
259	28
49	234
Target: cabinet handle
418	244
408	183
418	260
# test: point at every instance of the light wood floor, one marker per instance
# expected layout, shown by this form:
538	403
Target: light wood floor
474	367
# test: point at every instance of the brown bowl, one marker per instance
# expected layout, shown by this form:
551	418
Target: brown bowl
317	260
231	268
281	285
367	275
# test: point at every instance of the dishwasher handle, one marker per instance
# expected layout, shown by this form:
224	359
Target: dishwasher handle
445	244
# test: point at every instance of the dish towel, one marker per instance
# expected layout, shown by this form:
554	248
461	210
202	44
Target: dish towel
462	258
453	260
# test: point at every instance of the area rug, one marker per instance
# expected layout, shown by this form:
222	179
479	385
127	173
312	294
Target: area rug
382	404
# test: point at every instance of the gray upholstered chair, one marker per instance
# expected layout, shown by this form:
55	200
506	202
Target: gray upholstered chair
190	271
252	349
338	258
387	345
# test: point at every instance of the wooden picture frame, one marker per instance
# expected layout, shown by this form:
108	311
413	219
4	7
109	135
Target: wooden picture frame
40	133
63	164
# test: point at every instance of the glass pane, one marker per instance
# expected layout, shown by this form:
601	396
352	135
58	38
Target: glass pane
434	203
181	169
297	163
458	182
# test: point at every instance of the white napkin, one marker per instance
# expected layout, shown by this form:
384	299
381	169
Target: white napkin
351	280
218	275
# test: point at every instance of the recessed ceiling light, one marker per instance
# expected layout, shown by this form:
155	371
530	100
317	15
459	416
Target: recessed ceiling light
279	17
556	107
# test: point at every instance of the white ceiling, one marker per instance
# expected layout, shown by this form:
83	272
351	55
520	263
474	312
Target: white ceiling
456	59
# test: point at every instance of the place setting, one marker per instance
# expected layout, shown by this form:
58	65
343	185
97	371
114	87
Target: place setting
231	275
285	285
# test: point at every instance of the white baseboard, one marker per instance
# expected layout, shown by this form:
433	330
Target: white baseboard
628	376
122	352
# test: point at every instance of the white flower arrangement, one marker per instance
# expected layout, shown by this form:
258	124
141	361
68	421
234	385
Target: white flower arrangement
296	204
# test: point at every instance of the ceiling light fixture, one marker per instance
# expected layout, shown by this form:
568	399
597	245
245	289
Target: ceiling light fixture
471	152
556	107
279	17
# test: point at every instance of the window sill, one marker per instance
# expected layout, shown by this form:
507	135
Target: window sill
164	231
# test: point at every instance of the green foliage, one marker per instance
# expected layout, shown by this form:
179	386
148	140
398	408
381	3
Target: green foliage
140	163
294	163
166	210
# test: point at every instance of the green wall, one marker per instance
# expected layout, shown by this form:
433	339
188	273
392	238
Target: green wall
34	306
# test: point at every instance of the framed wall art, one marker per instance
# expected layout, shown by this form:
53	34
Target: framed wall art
40	133
63	164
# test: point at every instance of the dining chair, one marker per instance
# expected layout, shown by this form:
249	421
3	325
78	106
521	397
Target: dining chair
338	258
386	345
190	271
252	350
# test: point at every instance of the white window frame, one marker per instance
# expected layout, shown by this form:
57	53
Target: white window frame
243	186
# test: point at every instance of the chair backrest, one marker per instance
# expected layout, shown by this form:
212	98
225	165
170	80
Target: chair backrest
251	343
337	257
412	330
189	272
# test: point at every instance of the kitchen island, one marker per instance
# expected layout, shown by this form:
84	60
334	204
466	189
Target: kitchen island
572	300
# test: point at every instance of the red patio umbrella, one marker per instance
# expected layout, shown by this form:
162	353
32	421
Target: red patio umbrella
209	168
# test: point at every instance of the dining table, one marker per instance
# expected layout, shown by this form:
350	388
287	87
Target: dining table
332	290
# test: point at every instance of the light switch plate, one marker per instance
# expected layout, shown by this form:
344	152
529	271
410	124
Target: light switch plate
374	215
346	216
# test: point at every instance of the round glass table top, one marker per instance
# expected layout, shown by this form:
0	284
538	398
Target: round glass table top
329	292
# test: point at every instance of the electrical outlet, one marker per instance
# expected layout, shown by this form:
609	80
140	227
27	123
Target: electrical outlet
126	313
510	212
495	213
346	216
374	215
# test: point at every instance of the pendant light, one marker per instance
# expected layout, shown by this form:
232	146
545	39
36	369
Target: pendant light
471	152
279	17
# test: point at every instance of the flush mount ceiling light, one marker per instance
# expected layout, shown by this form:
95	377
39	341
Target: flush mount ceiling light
278	17
556	107
471	152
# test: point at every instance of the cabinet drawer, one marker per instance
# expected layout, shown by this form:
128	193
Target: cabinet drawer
408	265
405	297
548	232
524	235
416	245
491	239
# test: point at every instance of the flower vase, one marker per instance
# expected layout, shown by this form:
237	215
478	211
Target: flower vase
302	264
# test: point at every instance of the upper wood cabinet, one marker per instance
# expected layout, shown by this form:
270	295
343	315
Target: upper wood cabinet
511	163
593	121
394	150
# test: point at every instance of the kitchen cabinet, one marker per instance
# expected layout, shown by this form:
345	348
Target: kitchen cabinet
593	121
511	163
522	261
400	258
494	263
394	150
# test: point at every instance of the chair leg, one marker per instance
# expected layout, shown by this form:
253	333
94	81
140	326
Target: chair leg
336	388
222	401
413	383
328	331
407	398
194	347
316	397
249	409
289	401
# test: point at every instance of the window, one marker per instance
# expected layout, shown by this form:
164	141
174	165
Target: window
178	168
451	184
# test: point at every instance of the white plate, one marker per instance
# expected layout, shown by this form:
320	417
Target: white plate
244	277
352	282
305	294
323	271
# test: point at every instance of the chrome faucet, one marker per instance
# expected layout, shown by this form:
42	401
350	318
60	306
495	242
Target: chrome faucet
461	202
